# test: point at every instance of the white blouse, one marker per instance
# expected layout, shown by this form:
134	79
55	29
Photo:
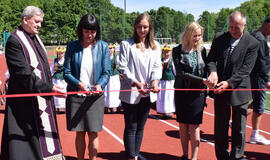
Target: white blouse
87	68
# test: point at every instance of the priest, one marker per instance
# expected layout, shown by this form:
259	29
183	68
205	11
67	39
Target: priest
30	129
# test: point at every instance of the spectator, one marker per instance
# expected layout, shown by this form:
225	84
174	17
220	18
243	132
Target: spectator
165	98
112	101
260	80
57	70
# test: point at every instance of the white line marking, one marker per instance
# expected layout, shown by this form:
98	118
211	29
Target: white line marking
119	140
114	135
265	111
174	126
246	125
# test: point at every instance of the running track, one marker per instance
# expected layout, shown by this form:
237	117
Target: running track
161	138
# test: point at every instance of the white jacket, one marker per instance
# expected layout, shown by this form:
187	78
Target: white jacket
129	67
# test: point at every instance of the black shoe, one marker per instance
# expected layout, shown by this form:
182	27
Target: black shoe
243	158
183	158
166	116
169	116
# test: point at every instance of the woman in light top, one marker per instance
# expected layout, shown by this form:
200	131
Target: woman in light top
140	65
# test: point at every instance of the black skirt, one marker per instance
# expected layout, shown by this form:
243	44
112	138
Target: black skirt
85	113
189	106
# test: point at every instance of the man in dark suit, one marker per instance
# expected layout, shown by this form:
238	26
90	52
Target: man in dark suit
230	61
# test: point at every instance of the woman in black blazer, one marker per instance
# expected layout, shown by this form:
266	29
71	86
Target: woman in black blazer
190	59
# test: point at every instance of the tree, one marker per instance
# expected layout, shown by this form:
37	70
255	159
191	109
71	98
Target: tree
62	17
207	21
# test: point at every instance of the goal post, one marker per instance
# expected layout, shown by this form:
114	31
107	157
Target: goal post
164	40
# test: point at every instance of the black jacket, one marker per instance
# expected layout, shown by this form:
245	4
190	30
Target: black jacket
243	59
184	78
262	64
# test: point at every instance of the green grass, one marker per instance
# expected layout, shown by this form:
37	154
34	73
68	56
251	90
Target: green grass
267	107
52	56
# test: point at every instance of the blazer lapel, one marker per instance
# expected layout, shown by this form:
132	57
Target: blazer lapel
201	64
95	59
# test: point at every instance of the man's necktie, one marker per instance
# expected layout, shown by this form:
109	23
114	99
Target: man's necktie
228	61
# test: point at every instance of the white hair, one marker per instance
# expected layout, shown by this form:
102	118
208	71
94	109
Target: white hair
243	17
31	11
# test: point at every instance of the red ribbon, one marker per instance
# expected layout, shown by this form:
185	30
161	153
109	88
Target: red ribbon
87	92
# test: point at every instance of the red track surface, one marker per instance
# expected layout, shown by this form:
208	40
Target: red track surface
161	138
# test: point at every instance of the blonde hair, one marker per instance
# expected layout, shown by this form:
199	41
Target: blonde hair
189	31
150	36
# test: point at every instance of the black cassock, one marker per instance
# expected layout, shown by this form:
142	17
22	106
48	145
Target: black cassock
22	123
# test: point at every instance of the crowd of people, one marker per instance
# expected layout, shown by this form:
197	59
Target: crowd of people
89	66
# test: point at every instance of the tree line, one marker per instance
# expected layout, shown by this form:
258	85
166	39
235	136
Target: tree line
62	17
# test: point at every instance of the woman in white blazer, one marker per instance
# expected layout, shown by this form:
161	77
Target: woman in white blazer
140	64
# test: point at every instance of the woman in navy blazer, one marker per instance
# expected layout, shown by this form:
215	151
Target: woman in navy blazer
87	68
190	60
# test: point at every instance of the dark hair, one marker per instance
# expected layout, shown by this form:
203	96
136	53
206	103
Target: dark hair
88	22
267	19
150	37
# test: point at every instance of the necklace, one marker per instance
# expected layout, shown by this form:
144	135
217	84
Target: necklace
142	47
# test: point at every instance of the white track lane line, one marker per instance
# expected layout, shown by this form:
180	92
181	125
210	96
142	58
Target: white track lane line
119	140
267	112
174	126
114	135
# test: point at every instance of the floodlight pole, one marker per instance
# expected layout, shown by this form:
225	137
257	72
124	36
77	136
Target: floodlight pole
124	19
208	27
167	26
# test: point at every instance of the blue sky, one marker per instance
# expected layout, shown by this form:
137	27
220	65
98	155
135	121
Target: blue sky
195	7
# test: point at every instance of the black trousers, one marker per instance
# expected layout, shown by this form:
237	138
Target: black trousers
135	118
222	116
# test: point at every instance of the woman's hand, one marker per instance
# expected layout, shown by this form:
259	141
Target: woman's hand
96	90
141	88
60	91
212	80
83	86
207	83
155	88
